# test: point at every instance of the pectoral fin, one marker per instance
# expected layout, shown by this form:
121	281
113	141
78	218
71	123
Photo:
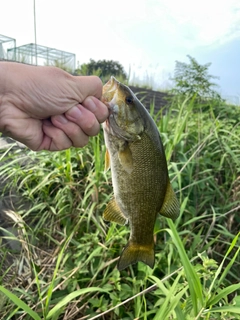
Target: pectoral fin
114	213
125	158
107	160
170	207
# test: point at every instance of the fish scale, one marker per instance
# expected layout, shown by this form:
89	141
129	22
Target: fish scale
139	172
143	194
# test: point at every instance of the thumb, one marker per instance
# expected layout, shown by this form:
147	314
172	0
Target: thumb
88	86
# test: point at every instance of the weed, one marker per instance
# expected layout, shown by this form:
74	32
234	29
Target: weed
67	266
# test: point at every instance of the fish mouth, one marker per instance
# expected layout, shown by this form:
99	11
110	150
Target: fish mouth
109	91
109	88
109	98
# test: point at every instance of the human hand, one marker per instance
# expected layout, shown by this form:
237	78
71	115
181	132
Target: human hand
48	109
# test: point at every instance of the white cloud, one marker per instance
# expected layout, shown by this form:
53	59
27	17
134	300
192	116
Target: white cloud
199	22
149	35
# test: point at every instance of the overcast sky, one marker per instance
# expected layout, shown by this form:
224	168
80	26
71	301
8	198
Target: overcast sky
147	36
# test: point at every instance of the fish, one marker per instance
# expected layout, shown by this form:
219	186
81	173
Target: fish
140	179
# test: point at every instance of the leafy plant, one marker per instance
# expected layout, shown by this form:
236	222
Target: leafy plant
102	68
67	264
193	80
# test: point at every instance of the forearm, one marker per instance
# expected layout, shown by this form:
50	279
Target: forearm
3	90
14	94
10	75
12	78
3	72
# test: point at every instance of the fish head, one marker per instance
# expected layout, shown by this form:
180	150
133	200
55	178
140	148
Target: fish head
125	120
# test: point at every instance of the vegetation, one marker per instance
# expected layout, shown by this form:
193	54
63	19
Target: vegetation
193	80
67	266
60	64
103	68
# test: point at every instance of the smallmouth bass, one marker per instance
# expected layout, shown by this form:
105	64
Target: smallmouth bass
139	172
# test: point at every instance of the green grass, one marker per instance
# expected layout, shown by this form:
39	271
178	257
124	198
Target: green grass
67	267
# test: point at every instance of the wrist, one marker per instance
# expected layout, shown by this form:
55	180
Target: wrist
11	84
3	87
3	77
2	84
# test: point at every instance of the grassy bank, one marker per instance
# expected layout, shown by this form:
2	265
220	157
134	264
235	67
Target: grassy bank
67	265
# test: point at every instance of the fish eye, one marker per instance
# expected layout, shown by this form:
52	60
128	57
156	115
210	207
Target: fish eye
129	100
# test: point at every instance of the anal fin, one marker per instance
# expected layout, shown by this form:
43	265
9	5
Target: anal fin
113	213
170	207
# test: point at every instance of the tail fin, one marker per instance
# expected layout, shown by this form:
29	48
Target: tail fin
134	252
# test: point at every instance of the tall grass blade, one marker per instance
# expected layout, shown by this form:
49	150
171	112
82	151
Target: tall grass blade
227	268
223	293
226	308
18	302
194	283
171	301
70	297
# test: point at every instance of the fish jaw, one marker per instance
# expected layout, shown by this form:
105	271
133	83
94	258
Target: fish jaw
111	85
124	119
109	98
109	90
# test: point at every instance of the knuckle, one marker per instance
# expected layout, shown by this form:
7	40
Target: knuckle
91	127
5	125
97	80
61	145
76	136
76	131
82	143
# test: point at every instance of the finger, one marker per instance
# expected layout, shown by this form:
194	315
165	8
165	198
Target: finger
84	118
98	108
73	131
17	125
54	139
88	86
38	135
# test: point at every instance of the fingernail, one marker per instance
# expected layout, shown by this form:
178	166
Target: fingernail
75	112
90	104
61	119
